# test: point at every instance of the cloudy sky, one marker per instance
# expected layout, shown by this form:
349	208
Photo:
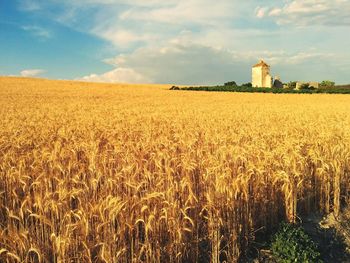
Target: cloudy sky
175	41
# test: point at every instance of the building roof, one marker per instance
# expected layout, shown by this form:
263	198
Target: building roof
261	64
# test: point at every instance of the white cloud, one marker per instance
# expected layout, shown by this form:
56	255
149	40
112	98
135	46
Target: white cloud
312	12
182	64
32	72
118	75
122	37
260	12
202	12
38	31
275	12
288	58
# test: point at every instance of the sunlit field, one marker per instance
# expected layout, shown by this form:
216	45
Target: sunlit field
139	173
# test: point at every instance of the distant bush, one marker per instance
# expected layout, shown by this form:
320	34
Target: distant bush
231	83
247	85
309	90
291	244
292	85
327	84
306	86
174	88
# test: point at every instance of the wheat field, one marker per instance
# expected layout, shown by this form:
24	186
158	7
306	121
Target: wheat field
138	173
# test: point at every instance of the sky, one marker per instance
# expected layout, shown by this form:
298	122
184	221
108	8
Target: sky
182	42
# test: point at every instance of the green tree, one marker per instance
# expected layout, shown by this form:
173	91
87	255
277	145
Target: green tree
292	85
327	84
231	83
306	86
249	85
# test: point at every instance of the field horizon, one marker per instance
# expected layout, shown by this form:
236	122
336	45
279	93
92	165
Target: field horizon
4	78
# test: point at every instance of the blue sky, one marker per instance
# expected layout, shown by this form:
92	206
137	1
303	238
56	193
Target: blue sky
175	41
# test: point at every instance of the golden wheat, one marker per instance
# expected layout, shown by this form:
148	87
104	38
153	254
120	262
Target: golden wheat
119	173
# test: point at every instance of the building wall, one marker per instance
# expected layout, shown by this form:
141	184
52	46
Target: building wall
267	81
261	77
257	77
315	84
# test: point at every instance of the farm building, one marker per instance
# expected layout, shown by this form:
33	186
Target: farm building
261	77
